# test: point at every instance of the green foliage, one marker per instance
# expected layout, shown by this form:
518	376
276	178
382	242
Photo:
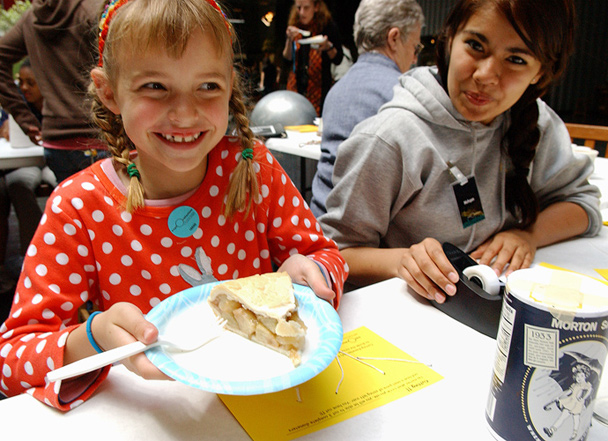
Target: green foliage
10	16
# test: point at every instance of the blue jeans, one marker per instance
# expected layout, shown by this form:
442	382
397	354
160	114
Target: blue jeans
65	163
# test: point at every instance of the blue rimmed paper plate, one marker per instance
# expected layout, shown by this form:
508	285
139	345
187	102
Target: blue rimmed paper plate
232	364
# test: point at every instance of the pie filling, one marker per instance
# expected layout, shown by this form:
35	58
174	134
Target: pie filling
286	335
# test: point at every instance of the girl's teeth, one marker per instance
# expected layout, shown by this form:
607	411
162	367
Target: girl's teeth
181	138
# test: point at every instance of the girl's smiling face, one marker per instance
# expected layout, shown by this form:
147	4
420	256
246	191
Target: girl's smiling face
174	110
306	11
490	67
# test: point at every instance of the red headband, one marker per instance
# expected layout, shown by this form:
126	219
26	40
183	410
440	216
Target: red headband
114	5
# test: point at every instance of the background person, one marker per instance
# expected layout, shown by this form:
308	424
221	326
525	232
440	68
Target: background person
397	191
59	37
311	64
387	35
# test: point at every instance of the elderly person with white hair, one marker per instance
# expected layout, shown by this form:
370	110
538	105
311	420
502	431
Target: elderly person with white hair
387	35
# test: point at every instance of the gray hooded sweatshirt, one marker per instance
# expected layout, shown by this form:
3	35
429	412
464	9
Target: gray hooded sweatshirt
392	186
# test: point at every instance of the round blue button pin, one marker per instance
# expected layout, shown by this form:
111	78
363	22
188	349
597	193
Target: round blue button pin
183	221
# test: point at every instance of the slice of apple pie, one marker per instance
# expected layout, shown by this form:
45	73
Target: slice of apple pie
262	308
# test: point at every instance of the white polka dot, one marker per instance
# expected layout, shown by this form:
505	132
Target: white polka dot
256	263
37	299
231	248
223	269
82	250
62	259
117	230
32	250
88	186
98	216
17	313
127	217
108	201
166	242
29	369
156	259
107	247
296	201
84	296
206	212
281	201
135	290
69	229
77	222
314	237
215	241
49	238
224	154
186	251
146	275
77	203
126	260
214	190
198	234
146	230
174	271
54	288
136	245
41	270
89	268
221	220
307	223
75	278
265	191
48	314
269	157
105	294
249	235
6	371
264	254
261	228
277	222
297	238
115	279
242	255
283	179
236	227
43	219
67	306
165	288
27	282
295	220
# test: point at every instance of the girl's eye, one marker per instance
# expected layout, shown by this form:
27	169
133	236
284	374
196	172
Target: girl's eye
475	45
210	86
153	86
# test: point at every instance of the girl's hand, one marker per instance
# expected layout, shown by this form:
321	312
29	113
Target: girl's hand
304	271
34	134
122	324
428	271
514	248
326	45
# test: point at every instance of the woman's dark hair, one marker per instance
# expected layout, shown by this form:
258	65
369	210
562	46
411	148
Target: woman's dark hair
547	29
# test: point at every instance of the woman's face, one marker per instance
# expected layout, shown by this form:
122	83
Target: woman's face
490	67
29	86
306	11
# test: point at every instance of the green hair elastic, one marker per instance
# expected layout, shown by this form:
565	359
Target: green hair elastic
132	170
247	153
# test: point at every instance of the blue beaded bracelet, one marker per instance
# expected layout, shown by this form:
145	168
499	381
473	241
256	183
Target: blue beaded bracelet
90	334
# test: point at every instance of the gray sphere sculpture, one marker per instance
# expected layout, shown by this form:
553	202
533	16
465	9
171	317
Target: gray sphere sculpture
283	107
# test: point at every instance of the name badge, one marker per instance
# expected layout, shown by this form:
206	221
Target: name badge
469	202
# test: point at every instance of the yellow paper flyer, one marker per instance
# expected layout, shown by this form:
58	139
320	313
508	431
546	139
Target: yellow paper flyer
335	394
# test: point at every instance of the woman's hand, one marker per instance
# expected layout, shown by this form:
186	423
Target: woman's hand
304	271
292	32
124	323
515	248
428	271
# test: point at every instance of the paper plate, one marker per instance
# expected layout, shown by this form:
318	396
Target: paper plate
232	364
317	39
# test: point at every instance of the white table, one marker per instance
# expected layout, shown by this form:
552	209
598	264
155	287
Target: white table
303	144
127	407
20	157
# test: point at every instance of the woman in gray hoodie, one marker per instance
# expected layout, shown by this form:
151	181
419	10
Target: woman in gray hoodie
466	153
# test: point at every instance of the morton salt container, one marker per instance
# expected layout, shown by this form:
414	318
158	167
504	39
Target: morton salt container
551	348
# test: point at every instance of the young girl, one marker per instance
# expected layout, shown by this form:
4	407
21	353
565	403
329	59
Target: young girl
126	233
466	154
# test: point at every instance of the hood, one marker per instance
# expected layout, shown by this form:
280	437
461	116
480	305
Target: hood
421	92
53	15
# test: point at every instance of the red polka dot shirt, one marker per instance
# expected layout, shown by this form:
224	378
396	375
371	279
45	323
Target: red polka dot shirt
87	248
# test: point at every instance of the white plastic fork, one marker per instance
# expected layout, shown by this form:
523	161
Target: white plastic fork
190	343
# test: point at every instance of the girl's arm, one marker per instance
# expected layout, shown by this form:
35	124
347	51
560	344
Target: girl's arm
516	248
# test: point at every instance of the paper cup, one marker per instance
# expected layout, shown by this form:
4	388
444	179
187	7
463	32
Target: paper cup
551	349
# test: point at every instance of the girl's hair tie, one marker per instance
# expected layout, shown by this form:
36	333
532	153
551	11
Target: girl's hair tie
132	171
247	153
